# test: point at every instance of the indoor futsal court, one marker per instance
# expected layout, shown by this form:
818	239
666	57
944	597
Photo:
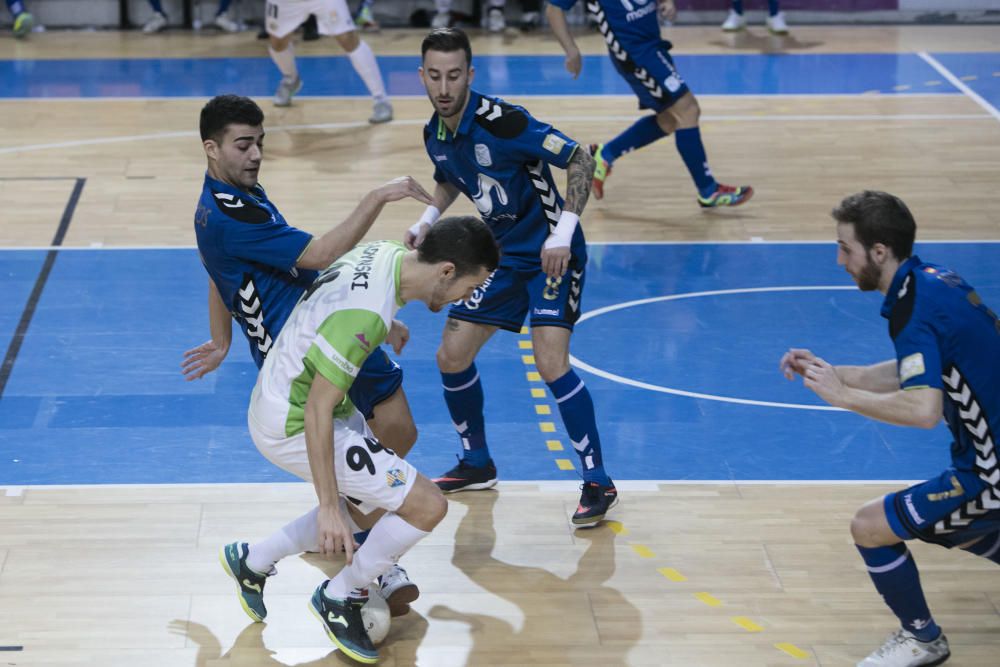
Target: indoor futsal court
730	545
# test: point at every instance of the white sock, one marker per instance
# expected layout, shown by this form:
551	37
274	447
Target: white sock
298	536
442	6
497	4
363	60
285	60
391	537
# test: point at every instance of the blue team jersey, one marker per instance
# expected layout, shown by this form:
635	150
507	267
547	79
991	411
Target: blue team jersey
499	158
946	338
250	253
633	23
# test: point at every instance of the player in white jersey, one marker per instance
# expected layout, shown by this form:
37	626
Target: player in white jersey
301	420
333	18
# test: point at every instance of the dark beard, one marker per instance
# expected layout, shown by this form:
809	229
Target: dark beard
870	277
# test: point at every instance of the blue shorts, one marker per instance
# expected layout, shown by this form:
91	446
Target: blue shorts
652	76
507	295
378	379
951	509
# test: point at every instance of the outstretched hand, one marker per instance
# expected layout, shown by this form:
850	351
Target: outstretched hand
202	360
402	187
795	361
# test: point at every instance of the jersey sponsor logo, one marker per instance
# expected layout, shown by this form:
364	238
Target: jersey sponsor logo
363	269
365	345
911	508
228	199
554	312
395	477
483	156
472	303
641	12
252	313
483	199
911	366
441	158
553	143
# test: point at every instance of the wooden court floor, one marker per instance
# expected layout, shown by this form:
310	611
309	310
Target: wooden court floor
694	575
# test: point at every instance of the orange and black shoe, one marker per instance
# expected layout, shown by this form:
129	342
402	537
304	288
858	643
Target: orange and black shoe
466	477
727	195
595	501
602	169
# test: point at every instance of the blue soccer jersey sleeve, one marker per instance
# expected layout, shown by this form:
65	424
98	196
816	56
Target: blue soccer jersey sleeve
270	243
541	141
918	356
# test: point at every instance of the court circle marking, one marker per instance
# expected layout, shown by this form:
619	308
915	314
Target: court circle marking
582	365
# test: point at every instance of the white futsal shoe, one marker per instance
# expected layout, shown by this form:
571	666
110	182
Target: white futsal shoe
734	22
776	24
902	649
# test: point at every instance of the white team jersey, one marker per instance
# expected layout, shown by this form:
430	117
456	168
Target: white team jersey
340	319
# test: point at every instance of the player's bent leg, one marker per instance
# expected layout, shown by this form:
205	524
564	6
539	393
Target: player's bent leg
870	526
392	423
282	51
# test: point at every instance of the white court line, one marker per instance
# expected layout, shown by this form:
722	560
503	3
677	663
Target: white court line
347	125
958	83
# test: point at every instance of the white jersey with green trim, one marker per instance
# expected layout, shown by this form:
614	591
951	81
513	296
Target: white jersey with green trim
340	319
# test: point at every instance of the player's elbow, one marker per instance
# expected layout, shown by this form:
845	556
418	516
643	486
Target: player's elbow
927	420
928	411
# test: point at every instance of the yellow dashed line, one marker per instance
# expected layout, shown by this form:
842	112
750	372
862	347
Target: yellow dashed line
792	650
524	344
900	88
616	527
643	551
932	83
708	599
564	464
554	445
534	376
747	624
872	92
528	359
970	77
543	410
672	574
537	392
547	427
524	331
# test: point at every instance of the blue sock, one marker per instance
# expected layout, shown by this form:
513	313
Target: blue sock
772	7
643	131
16	7
157	7
223	6
895	576
362	536
463	392
693	153
988	547
577	410
738	7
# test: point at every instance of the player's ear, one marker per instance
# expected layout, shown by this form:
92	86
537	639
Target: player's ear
211	149
880	252
446	271
472	73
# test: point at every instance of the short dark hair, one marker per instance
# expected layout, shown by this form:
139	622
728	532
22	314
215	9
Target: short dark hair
879	217
447	40
465	241
225	110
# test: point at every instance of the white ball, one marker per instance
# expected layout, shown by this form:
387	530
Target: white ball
375	614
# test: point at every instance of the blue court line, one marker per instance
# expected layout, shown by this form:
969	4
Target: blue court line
97	396
818	74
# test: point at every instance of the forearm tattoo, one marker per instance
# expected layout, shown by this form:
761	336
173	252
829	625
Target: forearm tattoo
579	175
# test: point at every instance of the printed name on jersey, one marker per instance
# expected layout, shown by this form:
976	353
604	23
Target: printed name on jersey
501	120
363	269
252	314
546	193
240	209
553	143
483	156
911	367
619	52
483	199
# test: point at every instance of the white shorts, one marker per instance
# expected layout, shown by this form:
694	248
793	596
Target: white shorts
284	16
368	475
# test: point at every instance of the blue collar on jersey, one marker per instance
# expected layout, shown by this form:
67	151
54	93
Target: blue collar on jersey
892	296
444	134
256	193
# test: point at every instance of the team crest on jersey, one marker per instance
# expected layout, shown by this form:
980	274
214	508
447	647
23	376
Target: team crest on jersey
483	156
553	143
365	345
395	477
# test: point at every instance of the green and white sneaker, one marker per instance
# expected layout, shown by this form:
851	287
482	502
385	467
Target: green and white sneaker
249	582
343	624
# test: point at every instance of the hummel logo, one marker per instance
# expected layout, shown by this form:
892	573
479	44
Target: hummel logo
336	619
255	587
226	198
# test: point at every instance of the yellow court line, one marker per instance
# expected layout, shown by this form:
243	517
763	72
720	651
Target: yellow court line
534	376
524	331
672	574
900	88
708	599
554	445
543	410
564	464
528	359
524	344
792	650
643	551
932	83
537	392
547	427
617	527
747	624
970	77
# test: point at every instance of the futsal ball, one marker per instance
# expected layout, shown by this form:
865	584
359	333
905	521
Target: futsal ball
375	614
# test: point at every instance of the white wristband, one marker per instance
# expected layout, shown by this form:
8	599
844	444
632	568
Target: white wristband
562	235
430	216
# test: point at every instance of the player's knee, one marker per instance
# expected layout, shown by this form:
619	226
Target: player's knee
425	505
349	41
863	530
451	360
552	370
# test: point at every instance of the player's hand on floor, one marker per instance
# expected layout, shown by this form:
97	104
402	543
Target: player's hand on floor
795	361
202	360
398	336
334	534
574	62
402	187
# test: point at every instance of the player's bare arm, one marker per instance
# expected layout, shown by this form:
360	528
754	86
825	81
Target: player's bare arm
579	176
560	28
878	378
202	360
445	195
334	533
556	250
322	252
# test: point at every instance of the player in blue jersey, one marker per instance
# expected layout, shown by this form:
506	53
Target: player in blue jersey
23	21
947	360
259	266
498	156
642	58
